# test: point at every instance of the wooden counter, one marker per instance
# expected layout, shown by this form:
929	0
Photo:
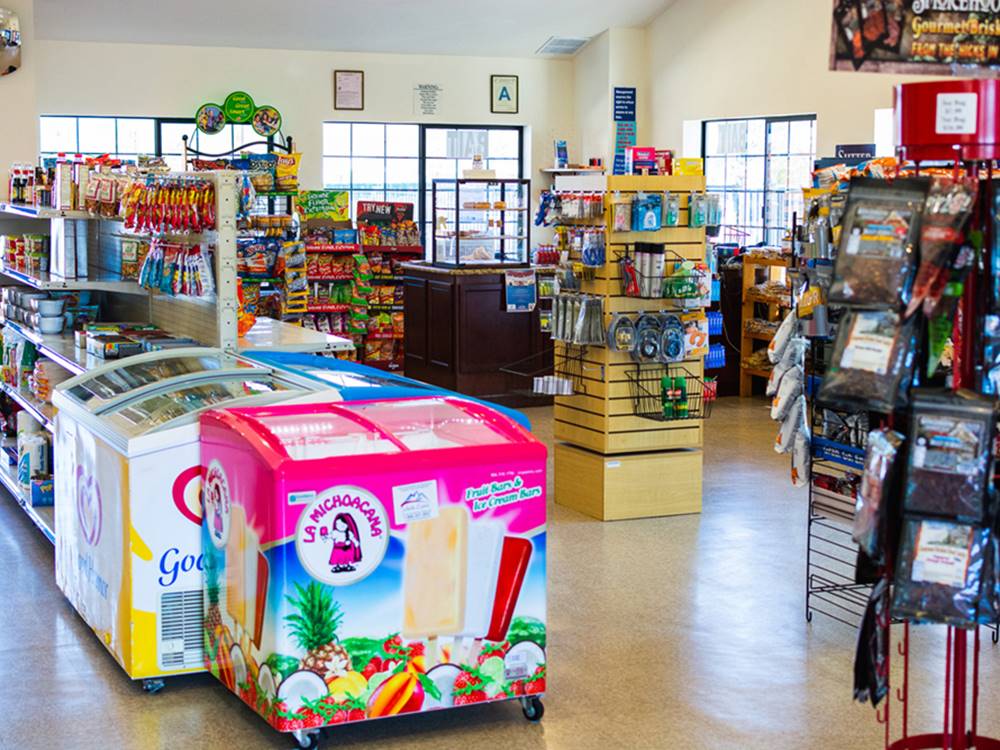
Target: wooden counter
459	335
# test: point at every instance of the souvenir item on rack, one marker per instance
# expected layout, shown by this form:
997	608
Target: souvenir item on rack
649	261
647	343
697	210
672	339
871	660
592	253
621	216
713	215
939	572
695	334
872	363
877	500
877	259
672	210
647	212
630	277
949	463
946	212
589	330
687	280
621	333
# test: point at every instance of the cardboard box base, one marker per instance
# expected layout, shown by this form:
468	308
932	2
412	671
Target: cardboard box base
640	485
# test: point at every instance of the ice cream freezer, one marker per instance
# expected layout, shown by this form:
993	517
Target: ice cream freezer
369	559
127	497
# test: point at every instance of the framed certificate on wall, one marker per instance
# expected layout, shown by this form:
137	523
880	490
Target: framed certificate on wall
348	89
503	95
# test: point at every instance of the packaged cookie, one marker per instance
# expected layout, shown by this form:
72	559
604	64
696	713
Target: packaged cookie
876	259
949	464
872	363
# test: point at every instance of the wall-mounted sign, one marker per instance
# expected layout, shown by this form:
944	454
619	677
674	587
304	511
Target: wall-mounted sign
210	119
934	37
238	107
10	42
503	95
348	89
624	99
855	151
521	290
426	99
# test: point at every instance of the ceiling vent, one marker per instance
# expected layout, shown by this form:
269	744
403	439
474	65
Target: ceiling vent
562	46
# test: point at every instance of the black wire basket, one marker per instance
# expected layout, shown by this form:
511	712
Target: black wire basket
667	393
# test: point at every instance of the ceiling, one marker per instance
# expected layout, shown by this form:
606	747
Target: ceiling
509	28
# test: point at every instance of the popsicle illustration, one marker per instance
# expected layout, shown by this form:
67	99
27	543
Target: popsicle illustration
513	566
485	550
434	574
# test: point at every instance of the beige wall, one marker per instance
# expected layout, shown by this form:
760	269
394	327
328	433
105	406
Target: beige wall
172	81
19	123
734	58
592	100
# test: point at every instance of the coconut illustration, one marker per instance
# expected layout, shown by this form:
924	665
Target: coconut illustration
299	687
443	676
522	660
239	663
267	683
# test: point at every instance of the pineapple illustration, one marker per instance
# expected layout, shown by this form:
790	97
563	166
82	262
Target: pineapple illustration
314	627
213	618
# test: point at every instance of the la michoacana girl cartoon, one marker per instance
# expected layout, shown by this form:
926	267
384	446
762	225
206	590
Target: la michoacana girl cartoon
346	550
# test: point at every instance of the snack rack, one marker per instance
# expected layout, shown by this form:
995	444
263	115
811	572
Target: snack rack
88	248
609	462
757	268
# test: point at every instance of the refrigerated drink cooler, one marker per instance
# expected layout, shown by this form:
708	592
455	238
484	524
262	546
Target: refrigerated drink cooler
366	560
127	498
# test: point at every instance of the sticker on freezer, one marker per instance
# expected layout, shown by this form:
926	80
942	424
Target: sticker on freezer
217	504
342	536
88	507
415	502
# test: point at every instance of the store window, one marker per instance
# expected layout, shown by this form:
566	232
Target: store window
399	162
127	137
760	166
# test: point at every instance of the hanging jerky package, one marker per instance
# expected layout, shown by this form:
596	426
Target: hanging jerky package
877	259
939	573
872	362
871	660
949	465
875	497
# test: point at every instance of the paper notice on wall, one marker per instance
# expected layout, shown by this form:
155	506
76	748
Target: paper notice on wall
426	99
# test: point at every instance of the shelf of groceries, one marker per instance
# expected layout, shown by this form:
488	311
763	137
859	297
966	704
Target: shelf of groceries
42	516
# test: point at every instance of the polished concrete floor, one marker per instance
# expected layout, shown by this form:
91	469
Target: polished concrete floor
683	633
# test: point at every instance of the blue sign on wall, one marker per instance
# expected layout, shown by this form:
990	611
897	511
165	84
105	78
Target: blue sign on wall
624	101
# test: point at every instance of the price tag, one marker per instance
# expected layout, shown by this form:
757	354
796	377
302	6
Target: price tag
957	114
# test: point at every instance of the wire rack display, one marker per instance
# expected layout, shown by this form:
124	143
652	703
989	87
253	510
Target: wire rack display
666	393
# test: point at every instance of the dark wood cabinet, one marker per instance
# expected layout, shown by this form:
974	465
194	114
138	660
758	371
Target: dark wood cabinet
460	336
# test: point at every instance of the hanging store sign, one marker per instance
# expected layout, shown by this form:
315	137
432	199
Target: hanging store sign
383	213
933	37
238	108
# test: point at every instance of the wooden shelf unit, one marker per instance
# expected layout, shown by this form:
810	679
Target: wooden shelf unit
757	271
609	463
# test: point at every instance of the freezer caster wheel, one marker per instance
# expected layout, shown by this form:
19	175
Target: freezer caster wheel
533	709
152	686
306	739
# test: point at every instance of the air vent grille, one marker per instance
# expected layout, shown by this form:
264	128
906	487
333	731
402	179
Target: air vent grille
560	45
181	630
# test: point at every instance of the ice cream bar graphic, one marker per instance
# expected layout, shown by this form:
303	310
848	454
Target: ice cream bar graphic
513	565
434	574
485	548
246	576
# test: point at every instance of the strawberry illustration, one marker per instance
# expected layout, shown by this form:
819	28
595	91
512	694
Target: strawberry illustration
493	649
468	679
356	714
393	645
339	718
515	688
536	683
474	696
369	670
417	649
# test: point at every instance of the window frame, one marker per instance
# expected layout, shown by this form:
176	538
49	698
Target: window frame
766	227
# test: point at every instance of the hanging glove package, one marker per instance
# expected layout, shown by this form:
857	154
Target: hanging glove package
949	463
872	363
876	259
939	573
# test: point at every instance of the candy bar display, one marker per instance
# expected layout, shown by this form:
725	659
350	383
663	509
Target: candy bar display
939	572
949	463
877	256
872	362
170	205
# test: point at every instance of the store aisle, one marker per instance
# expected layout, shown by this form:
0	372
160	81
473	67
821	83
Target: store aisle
668	633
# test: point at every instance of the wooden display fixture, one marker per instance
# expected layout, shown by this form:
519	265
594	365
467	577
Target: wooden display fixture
757	270
609	463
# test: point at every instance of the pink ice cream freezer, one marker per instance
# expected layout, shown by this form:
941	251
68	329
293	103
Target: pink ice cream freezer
373	559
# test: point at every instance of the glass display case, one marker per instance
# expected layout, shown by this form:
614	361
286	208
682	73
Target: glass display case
481	222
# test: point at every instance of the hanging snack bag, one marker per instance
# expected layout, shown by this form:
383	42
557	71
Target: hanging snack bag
784	334
795	421
872	362
874	504
286	172
949	464
788	393
801	458
876	259
939	573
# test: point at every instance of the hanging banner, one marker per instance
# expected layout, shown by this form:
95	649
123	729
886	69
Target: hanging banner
932	37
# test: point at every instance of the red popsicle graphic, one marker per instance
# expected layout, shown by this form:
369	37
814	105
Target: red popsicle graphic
513	565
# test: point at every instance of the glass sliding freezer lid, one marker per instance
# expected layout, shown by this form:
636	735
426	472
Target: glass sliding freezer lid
157	409
104	386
